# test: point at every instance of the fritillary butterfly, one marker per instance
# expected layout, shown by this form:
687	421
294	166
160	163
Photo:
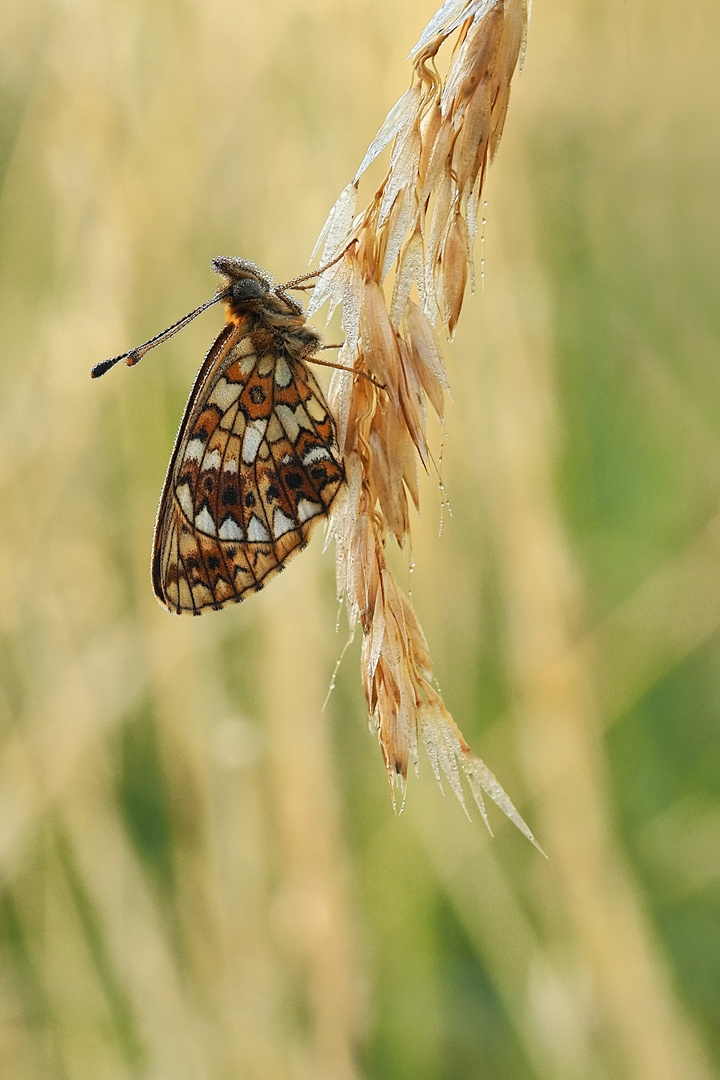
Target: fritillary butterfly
256	463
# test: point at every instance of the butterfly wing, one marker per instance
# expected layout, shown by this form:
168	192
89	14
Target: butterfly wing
254	468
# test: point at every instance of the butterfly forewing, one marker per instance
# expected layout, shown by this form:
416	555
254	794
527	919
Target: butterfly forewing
255	467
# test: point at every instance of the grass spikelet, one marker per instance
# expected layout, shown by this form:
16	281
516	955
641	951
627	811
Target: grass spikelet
421	220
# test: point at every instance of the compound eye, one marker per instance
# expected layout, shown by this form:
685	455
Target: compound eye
248	289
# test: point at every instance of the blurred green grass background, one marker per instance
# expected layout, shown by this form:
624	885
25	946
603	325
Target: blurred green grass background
201	874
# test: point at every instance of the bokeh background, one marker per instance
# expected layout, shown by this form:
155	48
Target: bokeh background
201	874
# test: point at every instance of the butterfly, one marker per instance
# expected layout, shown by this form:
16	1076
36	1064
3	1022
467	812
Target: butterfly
256	463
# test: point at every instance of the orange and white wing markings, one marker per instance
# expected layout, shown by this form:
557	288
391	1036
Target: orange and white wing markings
255	467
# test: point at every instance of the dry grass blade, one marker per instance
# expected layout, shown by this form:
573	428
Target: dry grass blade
422	221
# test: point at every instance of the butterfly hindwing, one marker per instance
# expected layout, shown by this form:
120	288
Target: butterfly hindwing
255	467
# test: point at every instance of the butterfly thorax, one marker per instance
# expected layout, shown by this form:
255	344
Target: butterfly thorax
252	302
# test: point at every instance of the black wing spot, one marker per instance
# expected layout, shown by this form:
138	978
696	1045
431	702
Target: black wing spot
319	474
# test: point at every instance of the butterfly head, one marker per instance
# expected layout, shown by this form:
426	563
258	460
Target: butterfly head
249	288
245	280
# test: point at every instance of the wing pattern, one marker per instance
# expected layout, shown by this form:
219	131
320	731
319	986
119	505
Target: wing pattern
255	467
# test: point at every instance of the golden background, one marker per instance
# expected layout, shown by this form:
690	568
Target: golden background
201	875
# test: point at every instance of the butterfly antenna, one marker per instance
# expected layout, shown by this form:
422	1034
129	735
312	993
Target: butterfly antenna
314	273
134	356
